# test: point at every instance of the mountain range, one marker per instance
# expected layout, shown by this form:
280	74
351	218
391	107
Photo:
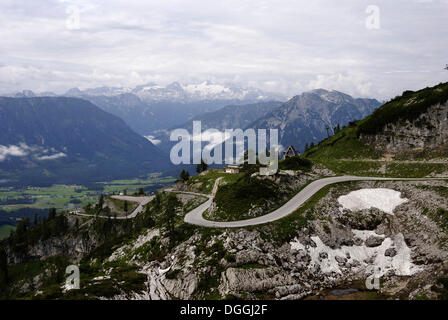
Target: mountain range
302	120
354	203
150	108
47	140
176	92
70	139
306	117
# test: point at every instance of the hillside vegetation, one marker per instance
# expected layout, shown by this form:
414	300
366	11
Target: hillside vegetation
408	106
355	149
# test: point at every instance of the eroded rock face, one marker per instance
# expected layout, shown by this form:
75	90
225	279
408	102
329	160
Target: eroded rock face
243	280
362	220
181	288
331	251
427	132
71	247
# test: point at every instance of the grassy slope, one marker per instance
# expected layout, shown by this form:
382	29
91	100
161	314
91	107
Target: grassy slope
408	106
120	205
344	153
237	194
235	200
204	183
5	230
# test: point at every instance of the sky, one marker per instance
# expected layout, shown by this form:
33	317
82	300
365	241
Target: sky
374	48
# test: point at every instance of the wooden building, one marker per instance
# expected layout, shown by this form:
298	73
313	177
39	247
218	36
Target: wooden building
290	152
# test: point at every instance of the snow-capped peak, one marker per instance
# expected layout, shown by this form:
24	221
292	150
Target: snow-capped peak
206	90
175	92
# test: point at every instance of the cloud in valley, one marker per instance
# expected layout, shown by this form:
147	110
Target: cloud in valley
23	150
12	151
52	157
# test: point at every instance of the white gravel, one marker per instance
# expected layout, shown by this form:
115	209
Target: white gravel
383	199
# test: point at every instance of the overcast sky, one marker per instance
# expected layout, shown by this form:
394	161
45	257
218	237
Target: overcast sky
286	46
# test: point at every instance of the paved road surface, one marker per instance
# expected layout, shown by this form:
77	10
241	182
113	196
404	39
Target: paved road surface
142	201
195	216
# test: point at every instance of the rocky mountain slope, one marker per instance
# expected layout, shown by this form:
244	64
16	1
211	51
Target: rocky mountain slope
416	122
304	118
129	107
413	125
205	91
320	251
233	116
68	140
229	117
149	108
300	121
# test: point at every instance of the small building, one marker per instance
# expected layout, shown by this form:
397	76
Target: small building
290	152
232	169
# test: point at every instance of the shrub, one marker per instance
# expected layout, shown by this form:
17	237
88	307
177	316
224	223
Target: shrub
295	163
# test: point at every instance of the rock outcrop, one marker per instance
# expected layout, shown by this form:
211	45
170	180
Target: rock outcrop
428	132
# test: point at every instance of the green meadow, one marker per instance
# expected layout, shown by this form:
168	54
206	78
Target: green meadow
5	230
66	197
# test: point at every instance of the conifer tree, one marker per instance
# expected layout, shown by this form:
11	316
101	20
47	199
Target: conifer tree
203	166
3	267
184	176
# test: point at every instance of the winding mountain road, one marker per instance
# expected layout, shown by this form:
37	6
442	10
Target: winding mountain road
142	202
195	216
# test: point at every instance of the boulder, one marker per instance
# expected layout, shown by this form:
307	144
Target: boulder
323	255
340	260
391	252
358	241
373	241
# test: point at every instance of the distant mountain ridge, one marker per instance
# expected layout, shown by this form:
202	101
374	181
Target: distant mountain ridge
306	117
184	93
300	121
233	116
69	140
229	117
150	108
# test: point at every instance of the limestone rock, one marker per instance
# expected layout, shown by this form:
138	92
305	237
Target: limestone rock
391	252
373	241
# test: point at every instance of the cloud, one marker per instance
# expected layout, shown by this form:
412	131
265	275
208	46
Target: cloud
12	151
23	150
52	157
351	83
282	45
153	140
